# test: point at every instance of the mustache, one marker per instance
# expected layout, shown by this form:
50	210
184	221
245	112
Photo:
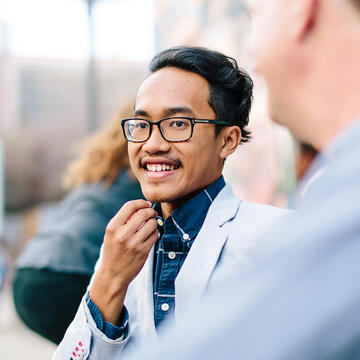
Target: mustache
176	162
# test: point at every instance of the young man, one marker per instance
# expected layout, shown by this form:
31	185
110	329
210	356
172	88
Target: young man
160	256
303	300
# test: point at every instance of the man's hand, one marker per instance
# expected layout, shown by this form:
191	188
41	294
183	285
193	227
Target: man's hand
129	237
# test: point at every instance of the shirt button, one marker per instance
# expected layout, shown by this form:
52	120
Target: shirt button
160	222
186	237
165	307
172	255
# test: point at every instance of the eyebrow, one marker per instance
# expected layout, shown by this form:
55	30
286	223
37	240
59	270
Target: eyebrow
167	112
140	112
178	110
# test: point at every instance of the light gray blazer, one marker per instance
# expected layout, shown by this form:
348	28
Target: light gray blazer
302	300
231	231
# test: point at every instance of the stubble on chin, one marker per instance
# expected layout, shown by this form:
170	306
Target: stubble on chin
158	198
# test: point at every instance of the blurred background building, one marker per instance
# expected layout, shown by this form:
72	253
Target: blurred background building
67	65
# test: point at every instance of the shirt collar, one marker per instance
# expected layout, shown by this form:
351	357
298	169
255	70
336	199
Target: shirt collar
189	217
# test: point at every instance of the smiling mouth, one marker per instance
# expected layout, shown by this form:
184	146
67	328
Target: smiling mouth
160	167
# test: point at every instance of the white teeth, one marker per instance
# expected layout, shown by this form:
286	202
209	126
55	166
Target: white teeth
159	167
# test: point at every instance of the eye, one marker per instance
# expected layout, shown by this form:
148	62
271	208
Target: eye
141	125
179	124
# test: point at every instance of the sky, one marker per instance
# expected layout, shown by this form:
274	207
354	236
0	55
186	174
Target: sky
124	29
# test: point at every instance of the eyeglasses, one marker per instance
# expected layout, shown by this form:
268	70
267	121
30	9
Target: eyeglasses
172	129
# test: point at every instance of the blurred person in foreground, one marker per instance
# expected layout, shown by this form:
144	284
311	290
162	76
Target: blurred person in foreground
159	260
302	299
56	266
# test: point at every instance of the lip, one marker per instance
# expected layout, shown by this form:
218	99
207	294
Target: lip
157	160
159	174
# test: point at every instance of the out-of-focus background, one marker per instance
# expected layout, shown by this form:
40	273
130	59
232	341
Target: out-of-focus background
65	67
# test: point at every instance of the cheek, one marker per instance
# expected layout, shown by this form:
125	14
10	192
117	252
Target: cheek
133	149
205	162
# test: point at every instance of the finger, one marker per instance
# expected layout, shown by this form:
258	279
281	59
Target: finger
127	210
139	219
150	241
146	230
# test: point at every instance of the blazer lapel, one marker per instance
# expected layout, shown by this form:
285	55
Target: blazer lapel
145	299
196	271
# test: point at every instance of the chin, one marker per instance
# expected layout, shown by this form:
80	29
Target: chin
158	196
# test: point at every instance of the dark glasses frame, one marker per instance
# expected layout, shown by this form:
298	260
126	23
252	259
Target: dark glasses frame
193	121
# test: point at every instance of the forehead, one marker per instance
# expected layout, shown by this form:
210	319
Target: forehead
170	86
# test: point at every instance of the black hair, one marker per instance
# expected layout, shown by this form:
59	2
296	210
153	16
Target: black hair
230	87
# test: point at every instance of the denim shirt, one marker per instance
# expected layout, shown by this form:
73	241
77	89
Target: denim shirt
177	234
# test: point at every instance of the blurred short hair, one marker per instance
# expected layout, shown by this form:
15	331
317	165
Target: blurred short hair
230	87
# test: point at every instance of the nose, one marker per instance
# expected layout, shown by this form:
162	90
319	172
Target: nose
156	143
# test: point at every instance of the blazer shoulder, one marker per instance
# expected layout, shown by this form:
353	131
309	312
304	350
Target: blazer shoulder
258	217
264	210
250	229
228	207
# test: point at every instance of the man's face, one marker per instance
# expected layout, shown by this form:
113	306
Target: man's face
190	165
271	50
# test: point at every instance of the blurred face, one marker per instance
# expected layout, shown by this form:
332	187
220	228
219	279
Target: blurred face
271	49
173	172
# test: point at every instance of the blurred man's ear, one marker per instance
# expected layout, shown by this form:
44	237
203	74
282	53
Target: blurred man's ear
303	16
231	137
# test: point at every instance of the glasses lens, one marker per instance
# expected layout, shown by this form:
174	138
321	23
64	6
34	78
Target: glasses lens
137	130
176	129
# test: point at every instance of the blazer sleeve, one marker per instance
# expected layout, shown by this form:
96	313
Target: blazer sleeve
83	340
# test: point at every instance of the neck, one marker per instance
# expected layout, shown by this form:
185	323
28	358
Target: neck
167	207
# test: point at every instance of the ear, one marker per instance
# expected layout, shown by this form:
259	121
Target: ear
230	138
303	17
